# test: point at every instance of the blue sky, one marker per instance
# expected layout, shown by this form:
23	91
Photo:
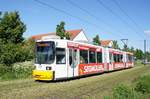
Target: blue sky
42	19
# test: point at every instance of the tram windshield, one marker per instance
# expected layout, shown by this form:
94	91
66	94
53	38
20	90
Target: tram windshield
45	52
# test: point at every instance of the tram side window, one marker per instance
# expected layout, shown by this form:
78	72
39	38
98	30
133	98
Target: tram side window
92	58
99	57
130	58
60	56
118	58
83	56
121	58
110	57
127	58
115	58
70	56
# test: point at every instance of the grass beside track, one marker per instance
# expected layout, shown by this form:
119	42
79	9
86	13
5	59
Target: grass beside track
94	87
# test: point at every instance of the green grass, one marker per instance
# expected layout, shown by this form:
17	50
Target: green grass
94	87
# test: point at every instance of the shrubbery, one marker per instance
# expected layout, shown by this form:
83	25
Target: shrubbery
143	84
123	92
4	69
18	70
11	54
141	90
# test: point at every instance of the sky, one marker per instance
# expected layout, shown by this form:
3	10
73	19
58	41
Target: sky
110	19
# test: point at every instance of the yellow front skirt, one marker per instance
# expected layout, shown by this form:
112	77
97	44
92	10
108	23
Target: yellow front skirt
46	75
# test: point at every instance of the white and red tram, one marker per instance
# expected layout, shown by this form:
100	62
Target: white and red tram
59	59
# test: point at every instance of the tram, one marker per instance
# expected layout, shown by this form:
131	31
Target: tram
62	59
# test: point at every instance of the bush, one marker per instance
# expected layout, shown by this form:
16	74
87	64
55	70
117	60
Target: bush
18	70
28	46
23	70
143	84
141	90
11	54
7	56
123	92
4	70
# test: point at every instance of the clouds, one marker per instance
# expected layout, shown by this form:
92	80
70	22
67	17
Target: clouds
147	32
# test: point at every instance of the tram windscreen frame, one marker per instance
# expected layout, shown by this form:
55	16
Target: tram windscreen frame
45	52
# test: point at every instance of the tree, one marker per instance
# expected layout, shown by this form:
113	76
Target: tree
115	45
12	53
139	54
29	48
148	56
11	28
67	35
132	49
8	53
96	40
11	39
60	31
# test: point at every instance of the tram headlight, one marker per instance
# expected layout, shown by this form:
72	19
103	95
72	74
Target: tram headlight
48	68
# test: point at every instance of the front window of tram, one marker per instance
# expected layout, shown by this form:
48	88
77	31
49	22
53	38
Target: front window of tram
45	52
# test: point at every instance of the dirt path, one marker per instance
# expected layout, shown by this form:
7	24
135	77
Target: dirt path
94	87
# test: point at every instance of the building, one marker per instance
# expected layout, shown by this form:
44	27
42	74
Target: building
75	35
107	43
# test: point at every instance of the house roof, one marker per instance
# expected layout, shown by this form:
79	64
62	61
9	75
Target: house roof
73	34
105	42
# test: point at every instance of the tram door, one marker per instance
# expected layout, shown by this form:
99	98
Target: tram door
111	61
73	63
